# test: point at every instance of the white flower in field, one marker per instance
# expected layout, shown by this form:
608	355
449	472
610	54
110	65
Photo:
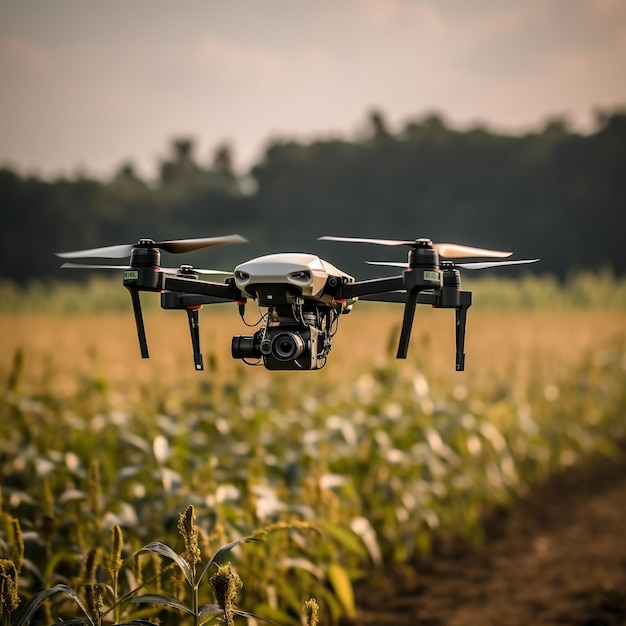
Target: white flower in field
431	518
420	385
300	563
126	517
345	427
362	527
43	466
170	479
267	504
332	481
161	449
395	456
473	445
72	462
138	491
551	392
493	435
382	438
227	493
459	392
393	410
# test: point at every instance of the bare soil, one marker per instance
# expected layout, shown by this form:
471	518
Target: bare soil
557	557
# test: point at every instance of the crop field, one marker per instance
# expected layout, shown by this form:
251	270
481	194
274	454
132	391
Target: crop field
368	461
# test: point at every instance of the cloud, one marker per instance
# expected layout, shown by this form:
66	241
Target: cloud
25	54
235	60
378	12
317	62
608	7
484	30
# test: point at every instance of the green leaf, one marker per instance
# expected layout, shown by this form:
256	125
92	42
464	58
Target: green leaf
160	548
258	617
342	586
38	599
223	550
153	598
345	538
209	612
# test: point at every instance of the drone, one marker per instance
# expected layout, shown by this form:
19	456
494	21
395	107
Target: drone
300	296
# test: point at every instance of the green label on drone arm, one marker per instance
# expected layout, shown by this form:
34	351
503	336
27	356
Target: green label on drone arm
432	276
131	275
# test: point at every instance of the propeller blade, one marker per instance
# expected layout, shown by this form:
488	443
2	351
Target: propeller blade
187	245
108	252
382	242
449	250
174	246
389	264
166	270
456	251
477	265
485	265
87	266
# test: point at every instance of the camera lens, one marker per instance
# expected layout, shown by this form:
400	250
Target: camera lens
243	347
287	346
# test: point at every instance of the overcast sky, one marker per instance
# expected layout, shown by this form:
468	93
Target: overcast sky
87	84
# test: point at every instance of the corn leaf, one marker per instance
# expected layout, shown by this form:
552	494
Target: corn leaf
151	598
160	548
37	600
342	586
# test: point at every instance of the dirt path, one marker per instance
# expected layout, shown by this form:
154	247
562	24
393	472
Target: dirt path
558	559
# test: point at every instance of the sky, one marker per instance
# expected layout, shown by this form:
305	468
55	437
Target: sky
87	85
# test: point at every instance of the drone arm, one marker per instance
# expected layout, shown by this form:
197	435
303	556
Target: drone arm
216	292
391	296
364	288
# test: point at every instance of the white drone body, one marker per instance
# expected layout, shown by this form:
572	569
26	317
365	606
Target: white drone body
304	275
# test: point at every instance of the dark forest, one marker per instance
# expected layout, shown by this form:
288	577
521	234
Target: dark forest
554	193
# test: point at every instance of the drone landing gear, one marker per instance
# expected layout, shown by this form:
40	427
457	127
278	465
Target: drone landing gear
194	329
462	302
191	304
141	331
448	296
407	324
461	317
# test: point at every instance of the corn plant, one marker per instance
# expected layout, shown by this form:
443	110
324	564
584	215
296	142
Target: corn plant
90	600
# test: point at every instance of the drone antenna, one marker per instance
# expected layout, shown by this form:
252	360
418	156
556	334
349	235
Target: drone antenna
141	331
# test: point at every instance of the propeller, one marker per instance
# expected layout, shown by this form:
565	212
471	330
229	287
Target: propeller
449	250
472	265
175	246
183	269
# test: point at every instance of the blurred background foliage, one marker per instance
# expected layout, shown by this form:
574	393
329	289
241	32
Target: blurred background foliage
554	194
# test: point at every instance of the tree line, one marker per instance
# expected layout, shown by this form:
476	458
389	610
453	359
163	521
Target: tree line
553	193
